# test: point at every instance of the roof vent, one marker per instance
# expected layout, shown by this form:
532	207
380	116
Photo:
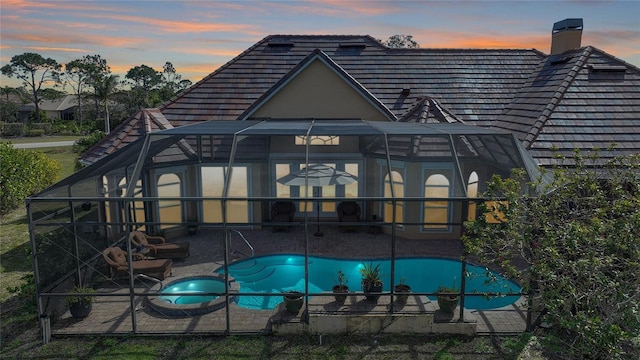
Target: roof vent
280	43
406	92
353	45
560	59
607	68
566	35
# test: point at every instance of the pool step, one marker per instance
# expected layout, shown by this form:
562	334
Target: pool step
254	277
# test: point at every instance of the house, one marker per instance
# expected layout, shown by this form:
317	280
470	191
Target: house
62	108
407	137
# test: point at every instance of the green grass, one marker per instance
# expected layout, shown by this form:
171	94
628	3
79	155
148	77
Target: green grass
266	347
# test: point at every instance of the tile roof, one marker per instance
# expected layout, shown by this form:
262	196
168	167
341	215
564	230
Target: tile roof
474	84
583	98
143	122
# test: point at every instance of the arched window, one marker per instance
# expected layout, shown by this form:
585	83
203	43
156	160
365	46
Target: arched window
398	192
436	212
472	192
169	211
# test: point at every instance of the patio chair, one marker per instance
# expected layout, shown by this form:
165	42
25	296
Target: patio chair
117	260
281	212
159	248
349	211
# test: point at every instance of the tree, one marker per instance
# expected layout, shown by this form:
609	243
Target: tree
84	72
401	41
143	79
172	82
104	87
34	71
580	239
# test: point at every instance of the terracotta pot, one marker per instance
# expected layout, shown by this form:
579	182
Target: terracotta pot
293	302
372	289
402	293
80	309
447	303
340	293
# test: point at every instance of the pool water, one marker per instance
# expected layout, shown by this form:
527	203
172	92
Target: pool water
192	286
281	273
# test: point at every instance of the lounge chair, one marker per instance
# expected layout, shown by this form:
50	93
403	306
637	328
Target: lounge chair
349	211
117	260
281	212
158	247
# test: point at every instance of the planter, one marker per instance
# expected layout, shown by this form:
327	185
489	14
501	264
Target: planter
447	303
80	309
402	293
377	288
340	293
293	302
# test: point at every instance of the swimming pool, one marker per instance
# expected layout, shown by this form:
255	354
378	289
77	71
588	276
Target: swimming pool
280	273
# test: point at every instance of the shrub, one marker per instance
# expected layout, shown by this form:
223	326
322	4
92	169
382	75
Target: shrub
84	143
580	239
65	127
35	133
45	127
24	173
12	129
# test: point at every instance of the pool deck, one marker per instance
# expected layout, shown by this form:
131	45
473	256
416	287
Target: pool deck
112	309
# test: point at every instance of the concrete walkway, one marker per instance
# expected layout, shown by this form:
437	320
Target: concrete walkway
43	144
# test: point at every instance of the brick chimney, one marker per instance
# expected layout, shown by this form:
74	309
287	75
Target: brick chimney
566	35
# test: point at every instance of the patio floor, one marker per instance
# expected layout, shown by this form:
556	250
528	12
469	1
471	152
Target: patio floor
112	309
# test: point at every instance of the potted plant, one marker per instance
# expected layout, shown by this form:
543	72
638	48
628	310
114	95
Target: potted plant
192	226
371	280
80	303
293	301
341	290
402	291
448	298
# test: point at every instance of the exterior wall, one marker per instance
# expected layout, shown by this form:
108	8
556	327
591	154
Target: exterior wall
318	92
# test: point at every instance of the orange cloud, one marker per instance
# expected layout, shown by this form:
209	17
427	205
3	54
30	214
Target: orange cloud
62	5
171	26
49	48
449	39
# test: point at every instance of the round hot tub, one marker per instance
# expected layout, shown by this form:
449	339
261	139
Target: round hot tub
193	295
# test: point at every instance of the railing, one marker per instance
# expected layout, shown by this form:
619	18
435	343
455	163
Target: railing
147	277
253	252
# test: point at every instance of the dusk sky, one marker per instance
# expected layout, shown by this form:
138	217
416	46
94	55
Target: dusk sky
200	36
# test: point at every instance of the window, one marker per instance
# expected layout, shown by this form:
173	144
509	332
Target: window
398	191
137	214
436	213
169	211
472	192
213	185
318	140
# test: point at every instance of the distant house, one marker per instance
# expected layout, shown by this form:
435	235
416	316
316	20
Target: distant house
63	108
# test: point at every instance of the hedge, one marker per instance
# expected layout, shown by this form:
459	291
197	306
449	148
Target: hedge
24	173
11	129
